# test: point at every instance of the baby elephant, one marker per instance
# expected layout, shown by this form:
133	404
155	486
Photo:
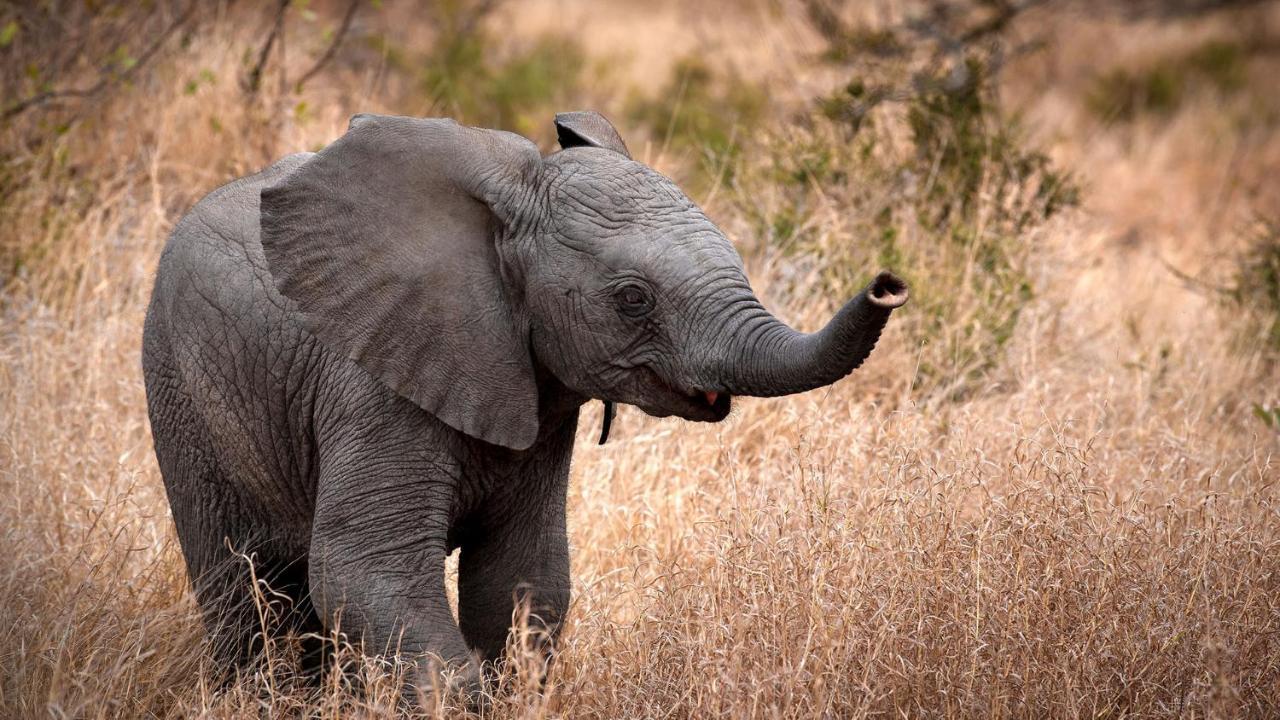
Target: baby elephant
361	359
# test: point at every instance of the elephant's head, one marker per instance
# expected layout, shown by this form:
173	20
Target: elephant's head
463	269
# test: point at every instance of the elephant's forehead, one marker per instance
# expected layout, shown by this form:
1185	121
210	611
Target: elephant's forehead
629	215
615	189
669	255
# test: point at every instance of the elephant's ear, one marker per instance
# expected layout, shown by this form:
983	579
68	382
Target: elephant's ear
588	128
386	240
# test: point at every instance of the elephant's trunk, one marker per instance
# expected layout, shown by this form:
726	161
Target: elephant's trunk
771	359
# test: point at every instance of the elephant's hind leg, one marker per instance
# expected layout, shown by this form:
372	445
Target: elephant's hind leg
248	591
217	534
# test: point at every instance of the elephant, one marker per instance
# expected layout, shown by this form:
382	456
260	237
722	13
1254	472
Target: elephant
364	358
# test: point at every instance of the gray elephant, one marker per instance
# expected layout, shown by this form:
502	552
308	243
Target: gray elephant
361	359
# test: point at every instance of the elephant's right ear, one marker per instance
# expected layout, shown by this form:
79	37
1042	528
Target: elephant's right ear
386	240
588	128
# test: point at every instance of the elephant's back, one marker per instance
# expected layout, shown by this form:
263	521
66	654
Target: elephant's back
215	248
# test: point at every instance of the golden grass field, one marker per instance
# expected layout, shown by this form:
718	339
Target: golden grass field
1078	519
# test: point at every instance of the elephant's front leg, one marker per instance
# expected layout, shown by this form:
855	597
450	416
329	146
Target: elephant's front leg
517	553
377	558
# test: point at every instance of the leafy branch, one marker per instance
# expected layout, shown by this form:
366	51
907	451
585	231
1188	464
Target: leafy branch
332	50
108	77
253	81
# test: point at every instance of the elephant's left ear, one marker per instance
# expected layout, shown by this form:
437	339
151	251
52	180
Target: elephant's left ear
590	129
388	241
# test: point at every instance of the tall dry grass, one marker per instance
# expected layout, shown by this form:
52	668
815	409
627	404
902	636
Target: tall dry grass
1090	529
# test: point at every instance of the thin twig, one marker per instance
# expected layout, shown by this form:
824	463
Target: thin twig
107	78
1191	282
254	79
333	46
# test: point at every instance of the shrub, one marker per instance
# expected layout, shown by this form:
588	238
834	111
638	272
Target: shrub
975	156
519	90
703	113
1124	94
1255	288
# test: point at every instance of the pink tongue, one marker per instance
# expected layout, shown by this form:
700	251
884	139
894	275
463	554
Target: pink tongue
711	397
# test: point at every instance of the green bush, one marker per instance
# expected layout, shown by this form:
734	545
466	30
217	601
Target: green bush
1255	289
1124	94
704	113
976	156
519	90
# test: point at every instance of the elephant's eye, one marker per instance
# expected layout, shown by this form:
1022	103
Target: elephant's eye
633	300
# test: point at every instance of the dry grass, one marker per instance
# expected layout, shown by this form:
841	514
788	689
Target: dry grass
1092	531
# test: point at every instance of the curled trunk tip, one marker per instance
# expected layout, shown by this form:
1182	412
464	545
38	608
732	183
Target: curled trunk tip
888	291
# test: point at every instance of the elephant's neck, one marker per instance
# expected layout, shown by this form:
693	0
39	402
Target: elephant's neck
557	404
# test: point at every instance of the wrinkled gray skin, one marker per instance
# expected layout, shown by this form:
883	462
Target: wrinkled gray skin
361	359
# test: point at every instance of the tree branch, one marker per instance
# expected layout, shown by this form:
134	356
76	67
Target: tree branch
254	80
333	46
107	78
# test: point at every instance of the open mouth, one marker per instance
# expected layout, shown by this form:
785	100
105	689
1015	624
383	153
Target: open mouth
697	405
701	405
717	402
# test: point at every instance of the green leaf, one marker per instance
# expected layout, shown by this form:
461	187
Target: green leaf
122	59
204	77
8	33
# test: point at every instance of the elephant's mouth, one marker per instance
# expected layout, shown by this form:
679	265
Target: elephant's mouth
696	405
717	402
